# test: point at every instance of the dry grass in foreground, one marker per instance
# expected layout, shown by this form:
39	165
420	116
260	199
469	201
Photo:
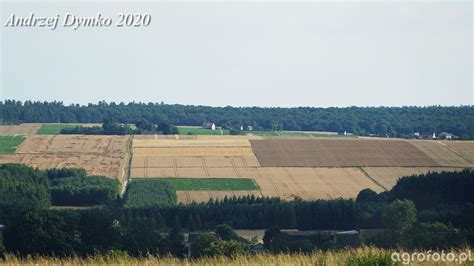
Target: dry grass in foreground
360	256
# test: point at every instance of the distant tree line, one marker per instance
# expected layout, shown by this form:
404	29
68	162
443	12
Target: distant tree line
392	121
111	127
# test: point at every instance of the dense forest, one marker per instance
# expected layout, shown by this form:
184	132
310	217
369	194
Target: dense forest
408	219
392	121
37	189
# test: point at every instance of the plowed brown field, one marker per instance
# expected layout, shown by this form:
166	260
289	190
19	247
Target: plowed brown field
23	129
339	153
98	155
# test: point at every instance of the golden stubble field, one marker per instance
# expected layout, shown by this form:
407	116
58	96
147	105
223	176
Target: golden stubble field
98	155
23	129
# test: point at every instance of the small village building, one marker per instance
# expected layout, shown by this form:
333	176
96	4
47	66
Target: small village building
447	136
433	136
209	125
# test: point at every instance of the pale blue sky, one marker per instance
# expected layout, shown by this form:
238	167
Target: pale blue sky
246	53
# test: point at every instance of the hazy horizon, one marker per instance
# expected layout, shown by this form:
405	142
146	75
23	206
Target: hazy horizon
245	54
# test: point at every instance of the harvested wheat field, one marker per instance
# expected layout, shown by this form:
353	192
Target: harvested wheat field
193	151
388	176
106	145
188	197
215	156
465	149
23	129
313	183
339	153
191	142
98	155
448	153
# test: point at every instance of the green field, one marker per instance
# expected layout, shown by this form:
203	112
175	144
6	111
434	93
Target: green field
201	131
53	129
8	144
189	184
149	192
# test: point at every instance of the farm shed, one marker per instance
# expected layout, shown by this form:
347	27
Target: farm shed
209	125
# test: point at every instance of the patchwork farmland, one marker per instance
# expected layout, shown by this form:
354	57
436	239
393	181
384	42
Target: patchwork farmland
285	167
288	168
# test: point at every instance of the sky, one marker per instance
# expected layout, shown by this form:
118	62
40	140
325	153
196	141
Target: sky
245	53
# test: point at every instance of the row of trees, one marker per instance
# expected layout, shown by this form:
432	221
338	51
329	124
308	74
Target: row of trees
393	121
110	126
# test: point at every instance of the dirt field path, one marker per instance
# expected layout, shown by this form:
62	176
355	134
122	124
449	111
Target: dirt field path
126	169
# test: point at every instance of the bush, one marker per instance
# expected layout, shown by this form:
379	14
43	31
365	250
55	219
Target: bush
201	244
367	195
226	233
224	248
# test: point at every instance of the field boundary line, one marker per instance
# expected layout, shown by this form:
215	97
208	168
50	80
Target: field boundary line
372	179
